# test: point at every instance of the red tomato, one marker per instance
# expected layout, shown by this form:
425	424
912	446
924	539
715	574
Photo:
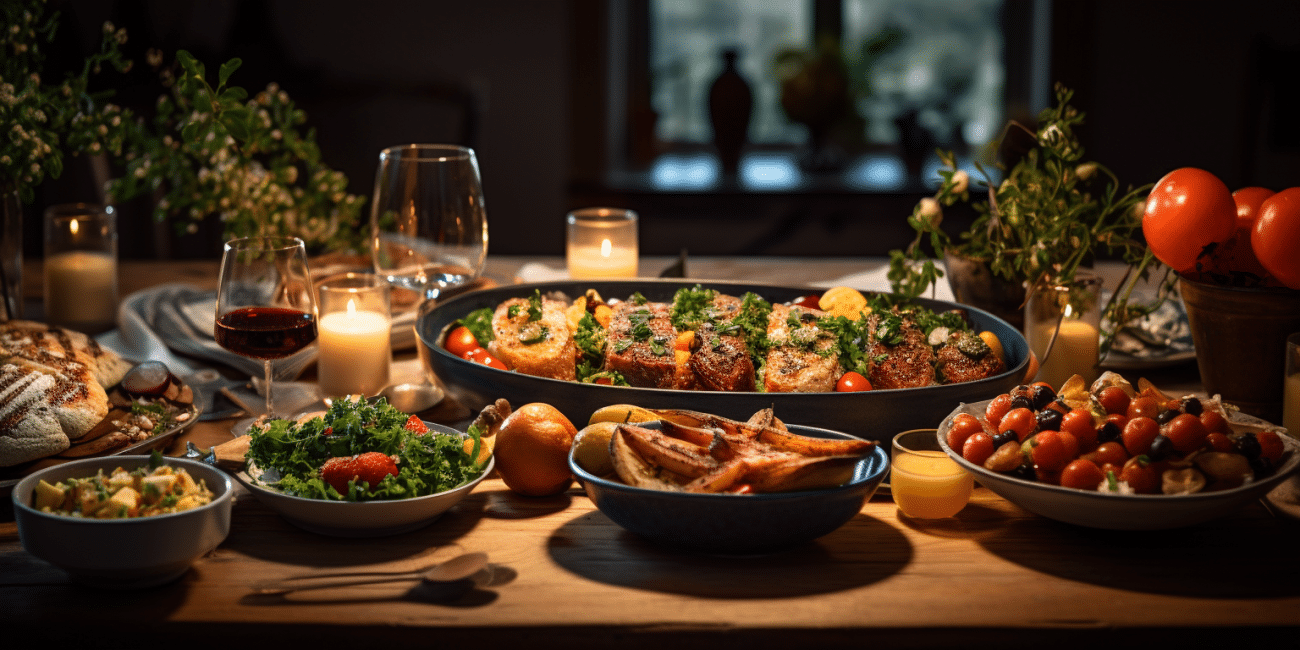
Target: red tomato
977	448
1248	200
1214	422
1053	450
1219	442
1021	421
1275	235
1143	406
460	340
1138	434
479	355
415	425
1108	453
1082	475
1186	432
1141	476
852	382
964	425
1188	210
1270	446
1079	423
811	301
997	408
1113	399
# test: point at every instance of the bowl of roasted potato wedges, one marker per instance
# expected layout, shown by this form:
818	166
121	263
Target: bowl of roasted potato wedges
703	482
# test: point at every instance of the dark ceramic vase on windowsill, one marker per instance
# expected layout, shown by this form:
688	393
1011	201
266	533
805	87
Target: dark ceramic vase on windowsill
731	104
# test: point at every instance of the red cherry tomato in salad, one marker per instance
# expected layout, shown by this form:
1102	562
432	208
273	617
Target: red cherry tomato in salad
1143	406
479	355
1113	399
460	340
810	301
1219	442
852	382
997	408
1270	446
1275	234
1138	434
977	448
1082	475
1214	422
964	425
1053	450
1108	453
1186	211
1140	475
1079	423
1021	421
1186	432
415	425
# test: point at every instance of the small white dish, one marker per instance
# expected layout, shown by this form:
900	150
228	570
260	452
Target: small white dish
366	518
1123	511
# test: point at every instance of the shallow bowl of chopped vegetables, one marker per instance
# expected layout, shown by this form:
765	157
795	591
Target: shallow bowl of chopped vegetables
436	468
1121	509
123	522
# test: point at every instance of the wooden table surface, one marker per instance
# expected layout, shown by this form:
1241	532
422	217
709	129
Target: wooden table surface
565	576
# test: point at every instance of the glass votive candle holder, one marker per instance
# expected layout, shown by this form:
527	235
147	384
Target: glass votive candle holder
602	243
925	482
354	355
1072	314
81	266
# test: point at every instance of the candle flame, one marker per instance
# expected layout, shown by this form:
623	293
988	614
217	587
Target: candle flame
605	248
352	308
1068	311
73	226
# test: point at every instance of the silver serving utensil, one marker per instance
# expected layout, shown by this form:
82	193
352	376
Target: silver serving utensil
456	569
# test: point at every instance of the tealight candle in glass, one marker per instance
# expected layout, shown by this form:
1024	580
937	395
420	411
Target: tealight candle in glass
602	243
1063	328
81	267
355	329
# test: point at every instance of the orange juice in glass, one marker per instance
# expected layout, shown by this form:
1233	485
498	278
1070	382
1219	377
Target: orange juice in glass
925	482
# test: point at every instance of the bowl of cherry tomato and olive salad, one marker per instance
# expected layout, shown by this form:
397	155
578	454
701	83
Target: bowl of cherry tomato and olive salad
144	519
1111	455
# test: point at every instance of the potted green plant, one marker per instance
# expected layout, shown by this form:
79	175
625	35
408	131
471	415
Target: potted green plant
1052	214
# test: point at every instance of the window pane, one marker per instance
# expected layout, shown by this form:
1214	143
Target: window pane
686	44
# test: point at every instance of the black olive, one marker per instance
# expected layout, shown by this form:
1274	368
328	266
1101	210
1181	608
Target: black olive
1021	402
1108	432
1262	466
1003	438
1160	447
1025	471
1192	406
1022	389
1049	420
1042	396
1165	416
1248	446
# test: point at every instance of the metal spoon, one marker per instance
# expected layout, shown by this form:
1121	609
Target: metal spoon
458	568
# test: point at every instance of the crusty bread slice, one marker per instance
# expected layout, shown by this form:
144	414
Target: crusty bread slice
106	365
29	428
543	347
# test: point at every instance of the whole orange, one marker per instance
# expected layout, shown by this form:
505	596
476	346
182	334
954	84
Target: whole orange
532	450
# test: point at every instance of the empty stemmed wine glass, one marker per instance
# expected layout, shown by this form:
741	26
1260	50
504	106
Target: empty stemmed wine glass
428	222
265	305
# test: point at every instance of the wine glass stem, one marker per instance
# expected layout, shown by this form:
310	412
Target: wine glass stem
266	365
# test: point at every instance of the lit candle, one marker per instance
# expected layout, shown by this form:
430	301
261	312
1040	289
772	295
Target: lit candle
81	290
1074	352
602	243
354	355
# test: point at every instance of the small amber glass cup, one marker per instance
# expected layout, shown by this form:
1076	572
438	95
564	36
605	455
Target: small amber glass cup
925	481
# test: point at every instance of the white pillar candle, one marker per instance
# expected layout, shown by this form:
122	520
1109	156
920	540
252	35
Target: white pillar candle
354	356
1074	352
602	243
603	261
81	290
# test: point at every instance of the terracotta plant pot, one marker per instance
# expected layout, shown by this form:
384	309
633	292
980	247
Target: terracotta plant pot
974	284
1240	337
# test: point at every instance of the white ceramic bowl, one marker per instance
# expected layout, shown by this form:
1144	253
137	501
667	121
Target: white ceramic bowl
365	518
1122	511
123	553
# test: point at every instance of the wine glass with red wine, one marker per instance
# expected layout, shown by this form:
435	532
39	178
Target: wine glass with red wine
265	304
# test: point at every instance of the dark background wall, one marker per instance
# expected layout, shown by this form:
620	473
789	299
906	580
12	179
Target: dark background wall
1165	84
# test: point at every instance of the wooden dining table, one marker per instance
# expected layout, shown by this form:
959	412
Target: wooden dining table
561	574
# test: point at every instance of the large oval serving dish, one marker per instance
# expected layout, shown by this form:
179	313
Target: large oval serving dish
736	523
364	518
874	415
1123	511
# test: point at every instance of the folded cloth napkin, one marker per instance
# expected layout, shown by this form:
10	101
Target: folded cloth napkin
877	279
538	272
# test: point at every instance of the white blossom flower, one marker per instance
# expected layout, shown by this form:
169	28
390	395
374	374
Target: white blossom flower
960	181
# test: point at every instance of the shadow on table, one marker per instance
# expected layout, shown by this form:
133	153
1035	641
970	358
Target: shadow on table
1237	557
863	551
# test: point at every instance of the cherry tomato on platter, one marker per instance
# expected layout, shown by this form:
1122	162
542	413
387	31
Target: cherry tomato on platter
1053	450
1019	420
1143	406
977	448
1140	475
1187	432
1112	453
1082	475
1113	399
1187	210
460	340
997	409
415	425
1138	435
964	425
852	382
1275	234
810	301
1270	446
479	355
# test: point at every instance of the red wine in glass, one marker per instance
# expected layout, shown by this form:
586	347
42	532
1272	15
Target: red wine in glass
265	332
